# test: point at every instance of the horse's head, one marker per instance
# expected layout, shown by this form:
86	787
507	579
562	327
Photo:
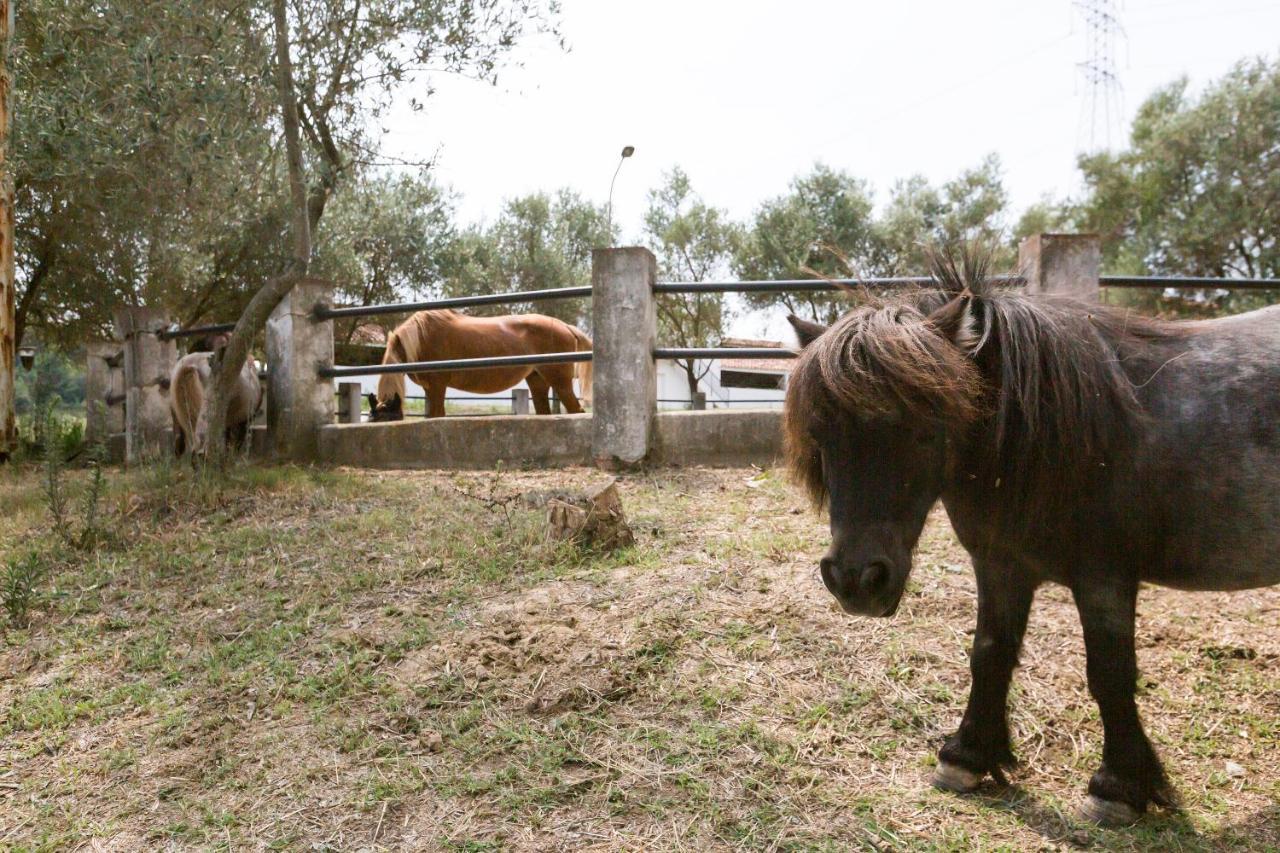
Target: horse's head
869	406
390	409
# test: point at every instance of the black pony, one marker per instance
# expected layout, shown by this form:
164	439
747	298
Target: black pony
1069	442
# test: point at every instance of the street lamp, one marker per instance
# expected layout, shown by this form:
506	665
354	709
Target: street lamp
627	151
27	357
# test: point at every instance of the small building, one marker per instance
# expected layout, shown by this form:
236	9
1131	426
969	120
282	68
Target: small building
737	383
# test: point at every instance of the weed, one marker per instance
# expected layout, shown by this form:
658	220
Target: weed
18	586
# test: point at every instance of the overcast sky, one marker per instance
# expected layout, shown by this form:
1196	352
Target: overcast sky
745	95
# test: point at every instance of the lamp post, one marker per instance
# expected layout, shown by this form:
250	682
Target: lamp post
627	151
27	357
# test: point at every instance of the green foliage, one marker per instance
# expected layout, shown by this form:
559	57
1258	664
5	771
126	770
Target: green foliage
693	242
18	586
826	225
147	166
969	208
142	137
383	239
1194	193
822	226
539	241
53	380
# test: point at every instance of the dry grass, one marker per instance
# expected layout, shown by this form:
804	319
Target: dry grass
345	660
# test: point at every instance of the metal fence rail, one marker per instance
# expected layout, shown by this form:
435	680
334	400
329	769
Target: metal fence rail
326	313
723	352
1163	281
696	287
806	285
456	364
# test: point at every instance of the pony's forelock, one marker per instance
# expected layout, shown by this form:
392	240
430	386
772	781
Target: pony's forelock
879	361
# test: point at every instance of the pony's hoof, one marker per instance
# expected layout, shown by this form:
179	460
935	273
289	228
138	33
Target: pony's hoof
1108	812
956	779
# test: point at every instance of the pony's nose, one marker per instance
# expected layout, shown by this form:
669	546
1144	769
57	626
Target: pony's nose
827	568
874	577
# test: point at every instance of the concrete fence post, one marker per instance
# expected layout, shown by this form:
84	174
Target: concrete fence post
299	400
103	391
624	331
519	401
148	361
349	402
1065	264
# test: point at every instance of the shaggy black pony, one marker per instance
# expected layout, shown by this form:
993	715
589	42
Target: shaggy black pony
1069	442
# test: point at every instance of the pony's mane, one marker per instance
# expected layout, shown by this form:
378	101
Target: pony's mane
404	344
1040	382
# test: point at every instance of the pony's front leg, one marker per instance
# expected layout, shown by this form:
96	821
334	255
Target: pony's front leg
981	745
1131	775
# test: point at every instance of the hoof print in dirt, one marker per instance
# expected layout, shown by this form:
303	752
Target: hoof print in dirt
592	520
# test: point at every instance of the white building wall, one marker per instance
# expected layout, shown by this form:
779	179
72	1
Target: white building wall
673	391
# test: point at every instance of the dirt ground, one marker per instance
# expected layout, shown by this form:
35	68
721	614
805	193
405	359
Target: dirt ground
357	660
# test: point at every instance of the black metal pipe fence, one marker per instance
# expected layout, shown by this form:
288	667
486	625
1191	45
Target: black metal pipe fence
456	364
1175	281
805	285
330	313
695	287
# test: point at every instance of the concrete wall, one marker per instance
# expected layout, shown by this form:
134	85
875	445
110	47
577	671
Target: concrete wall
548	441
736	437
545	441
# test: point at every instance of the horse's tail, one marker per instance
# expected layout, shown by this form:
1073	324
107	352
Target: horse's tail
186	399
583	344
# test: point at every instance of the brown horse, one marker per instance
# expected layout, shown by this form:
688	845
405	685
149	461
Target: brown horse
438	335
190	414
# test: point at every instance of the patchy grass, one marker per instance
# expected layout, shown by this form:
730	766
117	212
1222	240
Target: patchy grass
292	659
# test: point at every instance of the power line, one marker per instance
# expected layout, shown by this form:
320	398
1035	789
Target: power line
1104	99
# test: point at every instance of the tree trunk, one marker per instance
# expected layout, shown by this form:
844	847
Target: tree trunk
233	356
8	285
691	376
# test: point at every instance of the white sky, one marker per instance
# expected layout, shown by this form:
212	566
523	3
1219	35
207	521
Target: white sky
745	95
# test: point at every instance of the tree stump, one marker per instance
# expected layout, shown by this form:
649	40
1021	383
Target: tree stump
594	520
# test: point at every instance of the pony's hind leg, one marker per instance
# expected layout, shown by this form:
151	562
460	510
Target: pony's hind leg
1131	776
562	381
981	745
538	390
435	399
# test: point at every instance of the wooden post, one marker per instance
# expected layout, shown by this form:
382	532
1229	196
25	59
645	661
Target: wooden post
519	401
624	330
1064	264
8	284
148	362
349	401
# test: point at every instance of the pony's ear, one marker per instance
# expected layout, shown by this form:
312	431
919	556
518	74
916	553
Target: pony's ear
958	323
373	401
806	331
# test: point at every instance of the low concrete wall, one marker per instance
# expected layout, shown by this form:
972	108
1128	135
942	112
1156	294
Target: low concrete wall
736	437
543	441
548	441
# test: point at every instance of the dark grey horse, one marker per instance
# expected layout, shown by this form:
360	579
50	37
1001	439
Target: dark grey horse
1071	443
